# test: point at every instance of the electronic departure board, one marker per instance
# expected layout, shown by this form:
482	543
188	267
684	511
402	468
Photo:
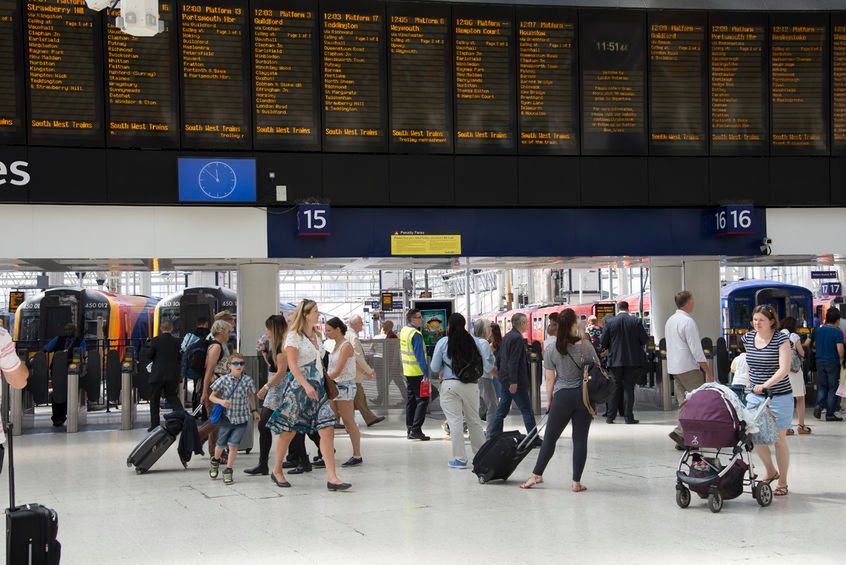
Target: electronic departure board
678	85
215	74
64	73
141	85
613	60
420	59
799	84
838	84
739	105
286	90
354	105
548	96
12	115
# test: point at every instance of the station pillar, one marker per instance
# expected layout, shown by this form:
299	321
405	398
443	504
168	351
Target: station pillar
665	280
701	276
258	298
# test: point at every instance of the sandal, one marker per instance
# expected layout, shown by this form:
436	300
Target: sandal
771	479
790	432
780	491
532	481
804	430
581	488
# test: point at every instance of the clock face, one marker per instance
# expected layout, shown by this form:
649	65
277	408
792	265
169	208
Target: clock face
217	179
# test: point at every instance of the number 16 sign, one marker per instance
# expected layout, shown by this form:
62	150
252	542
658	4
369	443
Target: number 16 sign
313	220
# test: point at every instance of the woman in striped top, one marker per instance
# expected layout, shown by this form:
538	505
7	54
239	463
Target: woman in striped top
768	358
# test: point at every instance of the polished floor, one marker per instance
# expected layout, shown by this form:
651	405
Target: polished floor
407	506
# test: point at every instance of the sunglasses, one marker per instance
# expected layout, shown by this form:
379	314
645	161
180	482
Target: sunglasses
237	363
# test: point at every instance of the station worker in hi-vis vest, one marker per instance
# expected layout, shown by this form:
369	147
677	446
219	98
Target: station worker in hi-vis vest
415	369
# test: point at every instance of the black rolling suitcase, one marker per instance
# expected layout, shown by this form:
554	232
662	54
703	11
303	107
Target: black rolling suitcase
499	456
152	447
31	529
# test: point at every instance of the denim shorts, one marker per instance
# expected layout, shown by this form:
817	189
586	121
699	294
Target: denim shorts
230	434
346	390
781	406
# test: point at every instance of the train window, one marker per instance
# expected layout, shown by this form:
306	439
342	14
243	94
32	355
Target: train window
29	325
90	322
171	314
741	315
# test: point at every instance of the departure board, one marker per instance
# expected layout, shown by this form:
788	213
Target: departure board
421	78
547	81
215	74
12	114
677	83
613	60
141	85
799	84
64	73
354	104
739	105
484	80
838	84
286	90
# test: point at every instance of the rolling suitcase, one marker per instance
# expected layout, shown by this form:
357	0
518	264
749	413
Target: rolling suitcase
499	456
152	447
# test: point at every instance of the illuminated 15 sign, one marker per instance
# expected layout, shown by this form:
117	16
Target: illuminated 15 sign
734	220
313	220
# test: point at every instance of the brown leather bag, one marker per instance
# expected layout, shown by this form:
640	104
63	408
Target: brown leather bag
331	388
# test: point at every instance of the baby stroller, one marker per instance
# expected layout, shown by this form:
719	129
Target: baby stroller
713	431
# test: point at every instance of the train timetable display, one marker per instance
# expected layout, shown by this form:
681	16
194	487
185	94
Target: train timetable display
421	79
285	62
484	81
11	58
613	59
215	74
677	84
141	86
64	73
354	104
548	98
739	105
799	84
838	84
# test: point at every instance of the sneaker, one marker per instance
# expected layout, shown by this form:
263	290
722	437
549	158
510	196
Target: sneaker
817	412
319	463
214	468
227	476
445	428
833	419
418	435
457	464
352	462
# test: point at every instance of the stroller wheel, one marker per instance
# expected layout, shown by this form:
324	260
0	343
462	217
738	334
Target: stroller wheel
763	494
682	497
715	502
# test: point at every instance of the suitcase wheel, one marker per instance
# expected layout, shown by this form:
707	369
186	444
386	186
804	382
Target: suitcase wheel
482	479
139	471
248	451
129	462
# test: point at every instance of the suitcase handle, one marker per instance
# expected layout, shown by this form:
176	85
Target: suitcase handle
532	435
9	428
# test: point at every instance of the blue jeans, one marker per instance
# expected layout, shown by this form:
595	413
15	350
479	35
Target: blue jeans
828	376
524	403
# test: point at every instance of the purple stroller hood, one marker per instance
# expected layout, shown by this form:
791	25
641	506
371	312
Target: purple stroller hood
708	420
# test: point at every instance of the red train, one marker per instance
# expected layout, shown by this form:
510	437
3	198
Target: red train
539	317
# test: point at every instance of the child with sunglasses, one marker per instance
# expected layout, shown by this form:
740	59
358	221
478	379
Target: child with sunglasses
237	394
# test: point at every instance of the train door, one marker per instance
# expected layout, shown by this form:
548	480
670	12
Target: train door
191	312
56	312
777	298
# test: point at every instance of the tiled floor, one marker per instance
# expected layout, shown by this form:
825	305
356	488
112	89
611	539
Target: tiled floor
408	507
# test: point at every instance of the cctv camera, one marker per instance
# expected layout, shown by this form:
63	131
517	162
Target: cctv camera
139	18
766	248
98	5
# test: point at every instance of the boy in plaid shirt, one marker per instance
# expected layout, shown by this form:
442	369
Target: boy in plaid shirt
237	394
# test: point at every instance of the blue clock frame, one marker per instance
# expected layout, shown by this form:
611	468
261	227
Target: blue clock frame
217	180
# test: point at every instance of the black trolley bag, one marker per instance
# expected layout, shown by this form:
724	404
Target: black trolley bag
31	529
499	456
152	447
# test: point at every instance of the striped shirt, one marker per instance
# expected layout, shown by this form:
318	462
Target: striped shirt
763	363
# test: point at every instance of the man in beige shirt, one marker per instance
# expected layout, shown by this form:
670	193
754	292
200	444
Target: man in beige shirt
362	369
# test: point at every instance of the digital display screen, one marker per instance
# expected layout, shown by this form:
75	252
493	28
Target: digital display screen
215	74
799	84
421	78
286	91
739	105
354	103
613	62
64	73
677	83
548	96
838	84
141	85
484	46
12	115
217	180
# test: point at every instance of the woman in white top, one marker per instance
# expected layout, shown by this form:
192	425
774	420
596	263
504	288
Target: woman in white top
740	373
342	371
305	407
797	377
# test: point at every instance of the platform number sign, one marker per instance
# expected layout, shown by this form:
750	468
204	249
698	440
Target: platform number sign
734	220
831	289
313	220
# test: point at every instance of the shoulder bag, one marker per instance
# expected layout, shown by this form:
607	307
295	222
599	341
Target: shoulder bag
218	410
597	386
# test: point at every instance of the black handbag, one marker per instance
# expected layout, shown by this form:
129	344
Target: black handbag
597	386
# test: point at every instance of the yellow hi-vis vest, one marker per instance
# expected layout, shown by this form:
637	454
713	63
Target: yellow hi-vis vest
410	366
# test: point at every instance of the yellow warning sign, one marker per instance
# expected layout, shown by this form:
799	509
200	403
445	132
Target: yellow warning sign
417	244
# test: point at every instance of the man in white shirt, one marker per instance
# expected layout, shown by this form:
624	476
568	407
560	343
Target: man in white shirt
15	372
362	369
686	361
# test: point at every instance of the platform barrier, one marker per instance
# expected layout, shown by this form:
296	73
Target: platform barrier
128	396
535	379
22	414
77	405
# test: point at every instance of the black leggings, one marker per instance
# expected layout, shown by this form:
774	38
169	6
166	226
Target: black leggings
566	405
265	435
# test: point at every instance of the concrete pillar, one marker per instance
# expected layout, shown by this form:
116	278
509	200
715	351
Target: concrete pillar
702	278
625	281
145	283
664	282
258	298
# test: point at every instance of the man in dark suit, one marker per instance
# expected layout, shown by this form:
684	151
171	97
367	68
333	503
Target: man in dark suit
163	351
625	340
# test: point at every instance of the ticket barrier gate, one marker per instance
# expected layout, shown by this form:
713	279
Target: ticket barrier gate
76	396
128	392
21	414
535	379
666	380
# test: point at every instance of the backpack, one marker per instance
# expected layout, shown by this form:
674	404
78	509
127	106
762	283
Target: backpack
795	361
471	371
196	354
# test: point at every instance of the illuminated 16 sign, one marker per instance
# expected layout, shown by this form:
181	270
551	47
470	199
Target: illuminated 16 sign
734	220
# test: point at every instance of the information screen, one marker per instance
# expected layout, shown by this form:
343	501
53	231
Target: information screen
678	85
838	84
12	116
354	105
739	102
420	59
215	74
64	73
799	84
141	85
484	80
286	90
613	59
548	99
